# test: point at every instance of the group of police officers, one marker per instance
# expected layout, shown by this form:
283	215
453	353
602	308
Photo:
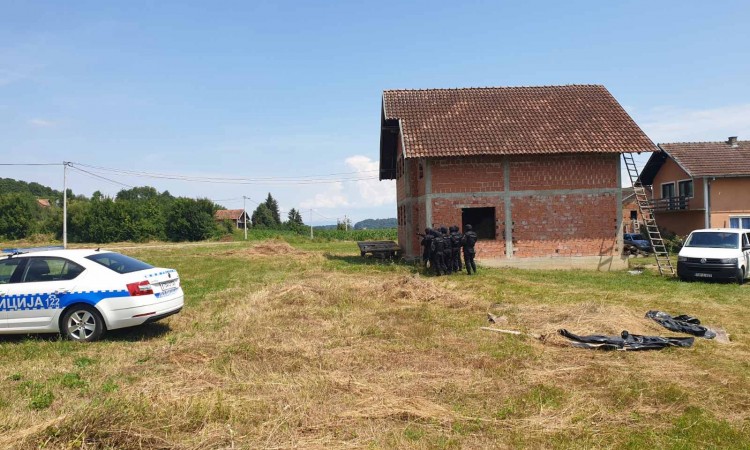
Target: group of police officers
442	249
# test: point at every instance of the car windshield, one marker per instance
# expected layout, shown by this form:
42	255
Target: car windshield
713	239
637	237
119	263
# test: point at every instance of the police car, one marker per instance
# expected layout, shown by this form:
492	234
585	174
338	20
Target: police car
82	293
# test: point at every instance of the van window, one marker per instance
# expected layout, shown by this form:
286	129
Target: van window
713	239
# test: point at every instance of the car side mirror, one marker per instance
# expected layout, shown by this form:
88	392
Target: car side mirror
745	248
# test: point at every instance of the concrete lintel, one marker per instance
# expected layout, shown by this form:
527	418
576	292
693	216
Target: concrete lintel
599	263
508	209
526	193
427	197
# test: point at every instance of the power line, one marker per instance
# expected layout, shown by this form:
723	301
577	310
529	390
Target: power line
229	180
31	164
100	177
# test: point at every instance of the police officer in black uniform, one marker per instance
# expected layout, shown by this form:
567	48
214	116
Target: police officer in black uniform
456	237
447	251
437	253
426	245
468	242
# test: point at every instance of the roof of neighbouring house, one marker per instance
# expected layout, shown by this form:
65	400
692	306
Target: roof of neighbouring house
43	202
228	214
511	120
701	159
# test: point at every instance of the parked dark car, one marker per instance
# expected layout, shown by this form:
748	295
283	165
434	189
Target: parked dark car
636	243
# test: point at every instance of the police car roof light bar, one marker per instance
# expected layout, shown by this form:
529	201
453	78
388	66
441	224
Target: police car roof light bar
18	251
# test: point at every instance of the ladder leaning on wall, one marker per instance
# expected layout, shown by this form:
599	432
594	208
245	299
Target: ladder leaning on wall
647	213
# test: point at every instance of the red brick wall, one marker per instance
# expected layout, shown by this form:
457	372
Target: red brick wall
576	171
469	174
564	225
574	224
447	212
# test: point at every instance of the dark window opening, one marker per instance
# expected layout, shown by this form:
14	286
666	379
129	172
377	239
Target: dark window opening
482	221
633	215
421	171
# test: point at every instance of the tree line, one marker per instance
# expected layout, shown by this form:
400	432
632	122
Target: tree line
138	214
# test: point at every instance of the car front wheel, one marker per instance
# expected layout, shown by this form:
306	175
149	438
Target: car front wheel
82	323
741	275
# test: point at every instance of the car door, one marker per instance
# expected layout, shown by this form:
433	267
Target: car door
10	272
36	298
746	253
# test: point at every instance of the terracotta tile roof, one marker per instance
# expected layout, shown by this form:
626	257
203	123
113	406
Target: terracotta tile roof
513	120
228	214
711	158
43	202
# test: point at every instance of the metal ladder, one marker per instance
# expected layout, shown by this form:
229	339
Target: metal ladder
647	213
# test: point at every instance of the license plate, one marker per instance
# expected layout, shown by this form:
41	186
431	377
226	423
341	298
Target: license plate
167	285
704	275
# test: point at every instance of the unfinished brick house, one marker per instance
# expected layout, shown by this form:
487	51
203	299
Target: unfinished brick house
535	170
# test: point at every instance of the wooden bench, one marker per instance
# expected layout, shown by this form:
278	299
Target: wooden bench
380	249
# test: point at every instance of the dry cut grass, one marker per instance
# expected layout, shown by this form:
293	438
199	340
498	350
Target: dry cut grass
284	348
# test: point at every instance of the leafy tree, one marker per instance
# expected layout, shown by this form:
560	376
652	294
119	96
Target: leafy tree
273	206
263	217
295	217
99	220
8	185
17	215
190	220
142	193
345	224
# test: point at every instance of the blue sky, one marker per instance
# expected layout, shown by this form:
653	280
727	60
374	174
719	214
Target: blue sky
292	89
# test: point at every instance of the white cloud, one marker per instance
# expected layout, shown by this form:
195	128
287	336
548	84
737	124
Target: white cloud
669	124
358	193
42	123
372	192
332	197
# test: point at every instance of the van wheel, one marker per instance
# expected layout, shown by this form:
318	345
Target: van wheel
741	275
82	323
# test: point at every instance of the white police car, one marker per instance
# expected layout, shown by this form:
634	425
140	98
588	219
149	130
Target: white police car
83	293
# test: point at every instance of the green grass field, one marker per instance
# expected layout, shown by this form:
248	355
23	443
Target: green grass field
310	346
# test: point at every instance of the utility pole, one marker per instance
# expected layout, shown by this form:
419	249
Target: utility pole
346	223
311	230
65	204
244	215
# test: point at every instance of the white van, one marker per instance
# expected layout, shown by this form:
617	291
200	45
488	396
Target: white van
716	253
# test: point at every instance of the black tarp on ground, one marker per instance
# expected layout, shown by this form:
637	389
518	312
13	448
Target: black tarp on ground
626	341
681	324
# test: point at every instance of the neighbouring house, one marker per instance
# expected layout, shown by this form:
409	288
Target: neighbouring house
700	185
238	216
631	213
535	170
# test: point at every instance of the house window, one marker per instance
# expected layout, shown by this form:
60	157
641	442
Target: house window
667	190
685	188
739	222
633	214
482	221
421	171
667	194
